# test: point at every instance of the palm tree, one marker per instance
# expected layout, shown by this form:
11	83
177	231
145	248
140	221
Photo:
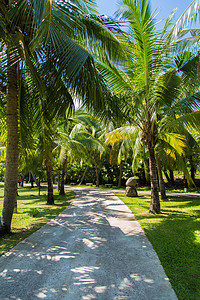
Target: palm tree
70	148
121	147
90	132
192	152
138	81
146	80
31	32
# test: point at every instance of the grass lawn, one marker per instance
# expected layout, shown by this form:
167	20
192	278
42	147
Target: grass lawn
175	236
33	212
99	187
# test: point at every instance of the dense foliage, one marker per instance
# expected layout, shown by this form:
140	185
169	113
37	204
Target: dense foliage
138	91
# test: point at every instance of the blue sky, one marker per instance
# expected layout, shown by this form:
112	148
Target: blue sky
165	7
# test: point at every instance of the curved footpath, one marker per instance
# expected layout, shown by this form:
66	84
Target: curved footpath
95	249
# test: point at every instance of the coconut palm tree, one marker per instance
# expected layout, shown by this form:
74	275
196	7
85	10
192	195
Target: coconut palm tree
90	132
121	147
147	80
46	31
70	148
141	80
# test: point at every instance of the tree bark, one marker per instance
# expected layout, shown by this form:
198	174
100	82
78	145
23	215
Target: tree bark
97	170
192	172
50	197
34	178
22	183
85	171
155	201
161	180
39	187
120	175
11	174
185	181
97	175
171	174
15	207
62	185
166	175
59	181
31	180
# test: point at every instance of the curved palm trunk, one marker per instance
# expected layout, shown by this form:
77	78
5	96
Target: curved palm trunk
166	174
120	175
50	197
62	185
85	171
161	180
34	178
11	174
155	201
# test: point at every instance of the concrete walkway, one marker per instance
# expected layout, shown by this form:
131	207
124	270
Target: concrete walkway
183	194
95	249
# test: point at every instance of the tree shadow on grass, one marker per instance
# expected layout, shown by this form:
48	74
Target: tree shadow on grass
176	241
40	216
38	198
86	254
185	202
175	235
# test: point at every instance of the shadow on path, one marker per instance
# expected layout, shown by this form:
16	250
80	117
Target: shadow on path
95	249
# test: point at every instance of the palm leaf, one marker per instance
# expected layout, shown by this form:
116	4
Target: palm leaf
188	16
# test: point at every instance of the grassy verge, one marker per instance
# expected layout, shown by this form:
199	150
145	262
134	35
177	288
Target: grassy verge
99	187
175	236
32	213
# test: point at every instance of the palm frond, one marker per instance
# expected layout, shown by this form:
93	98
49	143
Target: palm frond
191	120
188	16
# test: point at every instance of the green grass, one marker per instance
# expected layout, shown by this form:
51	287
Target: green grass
33	212
175	236
99	187
181	190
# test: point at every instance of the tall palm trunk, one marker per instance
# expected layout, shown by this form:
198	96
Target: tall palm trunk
59	181
97	170
185	181
161	180
120	175
50	197
155	201
62	185
11	174
31	180
171	174
192	172
97	175
22	183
